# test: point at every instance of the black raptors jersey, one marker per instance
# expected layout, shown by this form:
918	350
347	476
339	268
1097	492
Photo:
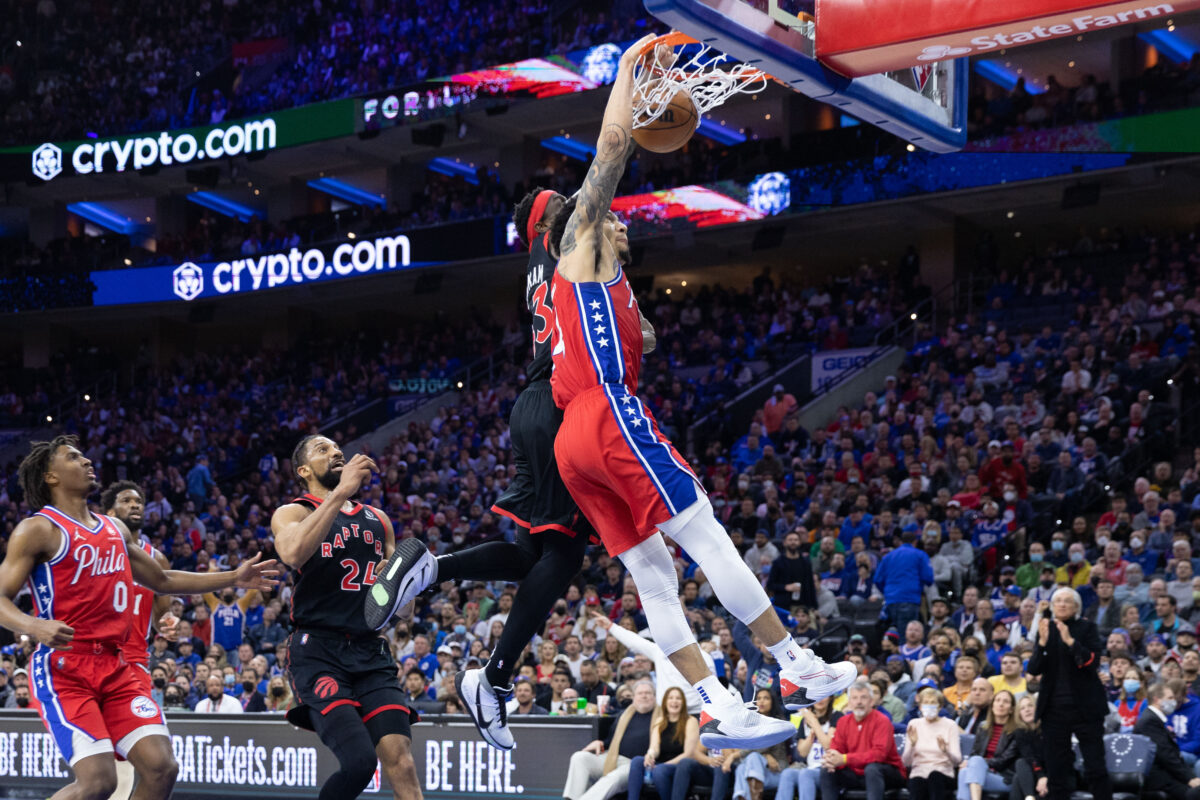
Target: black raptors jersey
537	298
335	580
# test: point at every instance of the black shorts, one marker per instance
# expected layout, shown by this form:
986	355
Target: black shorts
328	671
536	499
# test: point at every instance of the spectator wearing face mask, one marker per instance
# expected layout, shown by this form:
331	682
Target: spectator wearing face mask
175	700
1029	574
1058	549
1170	773
1135	590
1139	553
279	695
932	754
1076	572
20	697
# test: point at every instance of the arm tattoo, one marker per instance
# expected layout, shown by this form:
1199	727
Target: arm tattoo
600	185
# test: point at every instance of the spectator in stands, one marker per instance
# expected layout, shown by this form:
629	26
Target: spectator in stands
601	769
522	702
862	753
778	407
803	779
974	711
216	701
1169	774
757	770
902	576
932	754
993	759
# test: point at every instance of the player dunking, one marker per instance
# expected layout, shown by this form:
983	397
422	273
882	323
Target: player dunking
342	672
626	476
81	574
552	536
124	500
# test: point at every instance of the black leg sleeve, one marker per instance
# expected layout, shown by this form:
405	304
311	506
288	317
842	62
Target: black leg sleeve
343	732
562	556
491	561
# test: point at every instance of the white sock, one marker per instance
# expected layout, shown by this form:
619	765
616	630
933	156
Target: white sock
711	691
790	655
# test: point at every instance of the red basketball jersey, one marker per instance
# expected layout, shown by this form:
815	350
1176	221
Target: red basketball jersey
135	647
597	337
88	583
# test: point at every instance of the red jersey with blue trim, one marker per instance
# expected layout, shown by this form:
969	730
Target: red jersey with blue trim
597	337
135	648
87	584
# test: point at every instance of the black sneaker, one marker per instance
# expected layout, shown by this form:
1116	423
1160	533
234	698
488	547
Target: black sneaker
410	571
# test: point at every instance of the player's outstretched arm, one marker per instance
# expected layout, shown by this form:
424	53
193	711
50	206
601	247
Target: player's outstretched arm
299	531
253	573
582	238
33	540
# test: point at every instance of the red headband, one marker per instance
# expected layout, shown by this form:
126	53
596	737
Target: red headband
535	216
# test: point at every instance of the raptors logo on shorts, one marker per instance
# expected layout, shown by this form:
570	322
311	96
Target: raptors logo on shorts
325	687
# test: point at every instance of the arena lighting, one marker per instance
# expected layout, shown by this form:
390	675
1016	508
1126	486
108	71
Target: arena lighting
454	169
1004	77
104	217
1172	45
345	191
719	134
87	398
569	148
225	207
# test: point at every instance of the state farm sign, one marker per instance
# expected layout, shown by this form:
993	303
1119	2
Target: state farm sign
863	37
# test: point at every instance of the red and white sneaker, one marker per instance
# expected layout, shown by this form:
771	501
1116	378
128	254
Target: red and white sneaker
801	687
736	726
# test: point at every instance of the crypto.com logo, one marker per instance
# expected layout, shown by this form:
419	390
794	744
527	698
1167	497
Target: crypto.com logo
188	281
47	161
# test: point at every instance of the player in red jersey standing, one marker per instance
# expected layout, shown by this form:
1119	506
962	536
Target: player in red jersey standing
625	475
125	501
81	574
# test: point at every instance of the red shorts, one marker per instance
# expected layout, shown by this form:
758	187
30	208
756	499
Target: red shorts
92	701
623	473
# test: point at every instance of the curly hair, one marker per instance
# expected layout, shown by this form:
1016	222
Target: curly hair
32	472
522	211
108	497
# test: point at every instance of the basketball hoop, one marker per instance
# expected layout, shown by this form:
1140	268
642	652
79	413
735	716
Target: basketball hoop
709	77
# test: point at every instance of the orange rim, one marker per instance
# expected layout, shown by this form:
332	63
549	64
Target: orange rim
672	39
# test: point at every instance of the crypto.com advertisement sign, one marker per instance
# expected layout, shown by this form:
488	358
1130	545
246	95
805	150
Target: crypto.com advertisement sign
261	755
190	280
183	147
864	37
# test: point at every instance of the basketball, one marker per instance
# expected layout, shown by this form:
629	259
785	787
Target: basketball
672	130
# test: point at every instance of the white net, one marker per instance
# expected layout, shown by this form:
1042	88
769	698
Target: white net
675	63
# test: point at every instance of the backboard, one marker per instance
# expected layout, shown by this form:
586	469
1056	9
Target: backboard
925	105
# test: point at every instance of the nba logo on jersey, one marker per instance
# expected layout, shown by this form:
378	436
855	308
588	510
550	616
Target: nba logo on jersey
304	638
376	780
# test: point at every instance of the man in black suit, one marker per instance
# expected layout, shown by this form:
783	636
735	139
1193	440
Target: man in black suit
1072	698
1169	774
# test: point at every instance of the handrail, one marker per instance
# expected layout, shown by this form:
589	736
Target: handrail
767	377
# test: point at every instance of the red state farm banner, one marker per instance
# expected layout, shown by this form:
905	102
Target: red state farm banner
863	37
